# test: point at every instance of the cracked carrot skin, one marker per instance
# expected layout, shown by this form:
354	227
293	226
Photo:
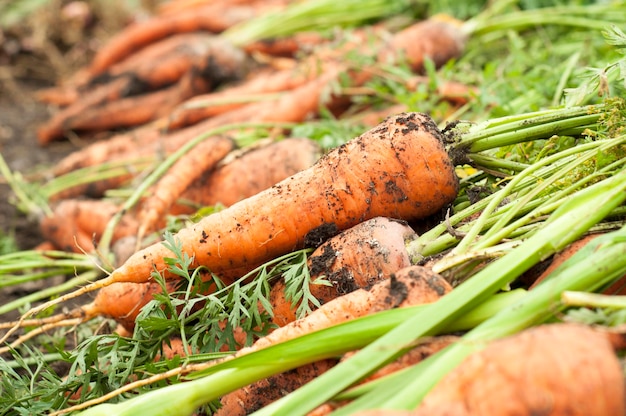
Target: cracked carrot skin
399	169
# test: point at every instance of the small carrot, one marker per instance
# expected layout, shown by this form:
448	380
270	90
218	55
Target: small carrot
213	18
399	169
355	259
249	171
558	369
55	126
138	109
438	38
188	168
230	98
76	225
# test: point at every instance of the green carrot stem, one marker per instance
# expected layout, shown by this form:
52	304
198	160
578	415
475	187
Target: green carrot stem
224	377
312	15
591	268
592	300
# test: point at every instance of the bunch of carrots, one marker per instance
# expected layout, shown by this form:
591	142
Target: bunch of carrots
186	86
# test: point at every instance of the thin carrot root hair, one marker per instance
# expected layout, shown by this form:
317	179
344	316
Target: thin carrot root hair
38	331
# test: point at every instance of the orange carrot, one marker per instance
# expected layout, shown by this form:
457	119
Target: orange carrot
356	258
209	105
286	47
426	348
244	173
166	61
55	127
139	109
413	285
191	64
559	369
202	158
76	225
438	38
399	169
409	286
211	18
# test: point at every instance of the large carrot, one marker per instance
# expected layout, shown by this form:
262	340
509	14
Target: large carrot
559	369
399	169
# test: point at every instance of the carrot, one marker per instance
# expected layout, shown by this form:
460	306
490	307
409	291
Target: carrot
286	47
558	369
426	348
230	98
138	109
249	171
616	288
409	286
211	18
165	62
189	167
413	285
258	395
55	127
191	64
76	225
356	258
399	169
439	38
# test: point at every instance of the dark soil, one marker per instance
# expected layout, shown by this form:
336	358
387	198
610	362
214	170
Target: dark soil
20	115
38	51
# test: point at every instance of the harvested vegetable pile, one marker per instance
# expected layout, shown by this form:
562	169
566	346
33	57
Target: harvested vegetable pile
313	207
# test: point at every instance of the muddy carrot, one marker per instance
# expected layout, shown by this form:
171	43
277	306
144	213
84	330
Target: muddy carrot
357	258
410	286
204	157
399	169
